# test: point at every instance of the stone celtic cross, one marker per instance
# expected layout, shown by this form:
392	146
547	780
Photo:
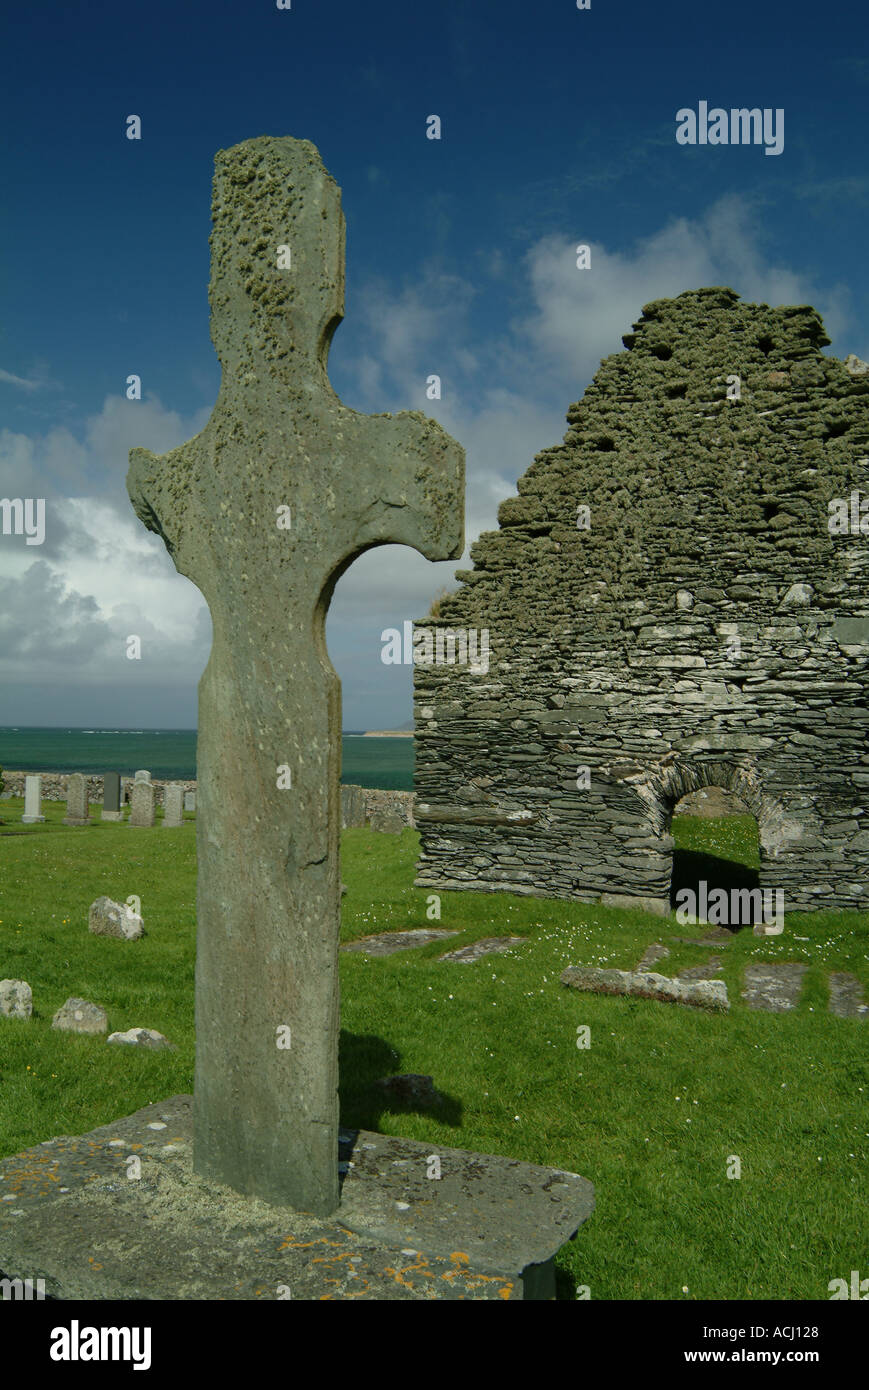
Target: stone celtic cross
263	511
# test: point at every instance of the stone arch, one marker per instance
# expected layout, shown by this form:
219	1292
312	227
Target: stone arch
663	787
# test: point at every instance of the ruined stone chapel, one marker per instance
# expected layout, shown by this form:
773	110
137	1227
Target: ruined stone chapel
677	598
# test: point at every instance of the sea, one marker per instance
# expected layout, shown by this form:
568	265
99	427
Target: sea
171	754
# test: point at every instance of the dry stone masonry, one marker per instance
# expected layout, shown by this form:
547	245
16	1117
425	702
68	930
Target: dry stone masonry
677	598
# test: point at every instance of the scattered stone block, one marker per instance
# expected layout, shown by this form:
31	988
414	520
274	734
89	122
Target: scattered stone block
486	946
773	988
16	999
386	943
140	1037
108	918
705	994
80	1016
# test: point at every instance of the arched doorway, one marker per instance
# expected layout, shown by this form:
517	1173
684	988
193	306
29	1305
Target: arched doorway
727	830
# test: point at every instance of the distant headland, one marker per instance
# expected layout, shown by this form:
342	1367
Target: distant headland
388	733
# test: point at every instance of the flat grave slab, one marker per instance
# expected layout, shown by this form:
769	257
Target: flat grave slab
773	988
486	946
386	943
846	996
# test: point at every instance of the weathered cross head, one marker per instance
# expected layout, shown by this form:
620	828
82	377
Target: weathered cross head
264	510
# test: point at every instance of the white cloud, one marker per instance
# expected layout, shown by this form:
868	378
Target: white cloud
580	315
19	381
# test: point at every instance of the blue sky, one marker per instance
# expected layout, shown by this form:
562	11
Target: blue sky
558	128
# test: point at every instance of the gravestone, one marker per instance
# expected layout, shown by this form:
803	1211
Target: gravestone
112	796
189	801
77	810
142	804
32	801
353	806
172	805
143	775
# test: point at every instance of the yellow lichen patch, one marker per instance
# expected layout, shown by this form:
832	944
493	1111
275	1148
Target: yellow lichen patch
294	1244
421	1267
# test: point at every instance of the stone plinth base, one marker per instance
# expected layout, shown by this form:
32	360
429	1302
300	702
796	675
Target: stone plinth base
120	1214
112	815
33	820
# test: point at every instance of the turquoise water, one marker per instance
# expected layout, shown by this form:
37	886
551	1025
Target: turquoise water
171	753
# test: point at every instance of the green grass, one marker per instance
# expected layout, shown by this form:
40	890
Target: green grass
649	1113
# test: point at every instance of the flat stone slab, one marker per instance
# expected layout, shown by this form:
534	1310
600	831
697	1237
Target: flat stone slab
651	956
846	996
386	943
486	946
71	1214
774	988
702	972
705	994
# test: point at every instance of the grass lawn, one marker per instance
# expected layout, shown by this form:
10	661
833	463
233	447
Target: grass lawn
651	1112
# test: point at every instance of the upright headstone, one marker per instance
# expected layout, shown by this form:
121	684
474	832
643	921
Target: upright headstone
143	775
112	796
353	806
32	801
77	810
264	510
172	805
189	801
142	804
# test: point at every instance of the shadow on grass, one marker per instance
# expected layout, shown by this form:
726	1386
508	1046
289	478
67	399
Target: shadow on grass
362	1061
691	868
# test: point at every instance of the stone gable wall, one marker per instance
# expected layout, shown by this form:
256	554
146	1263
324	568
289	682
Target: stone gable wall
612	648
